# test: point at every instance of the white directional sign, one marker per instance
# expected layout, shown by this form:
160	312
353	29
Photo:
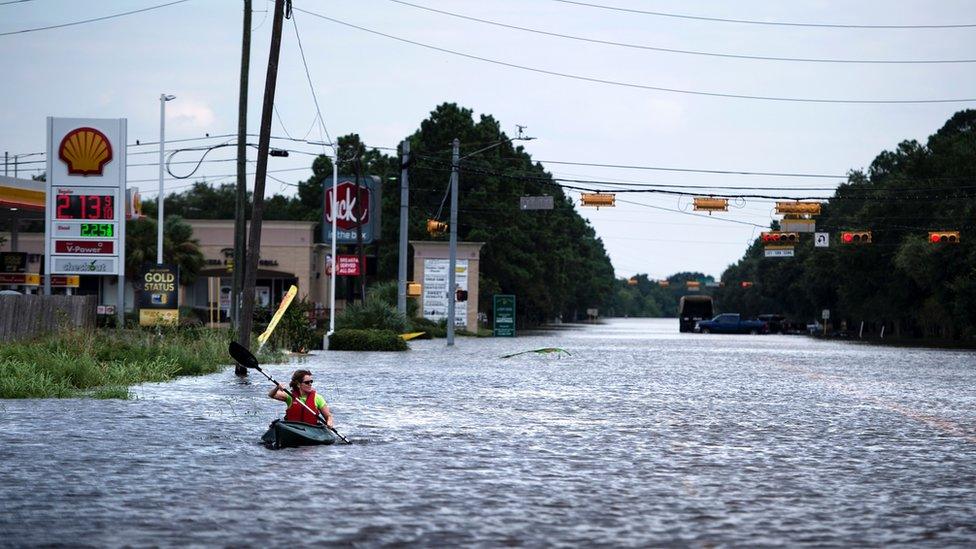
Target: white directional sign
782	252
821	240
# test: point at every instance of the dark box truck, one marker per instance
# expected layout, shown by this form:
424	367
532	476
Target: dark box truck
693	308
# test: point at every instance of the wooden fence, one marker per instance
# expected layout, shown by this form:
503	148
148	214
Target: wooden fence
26	316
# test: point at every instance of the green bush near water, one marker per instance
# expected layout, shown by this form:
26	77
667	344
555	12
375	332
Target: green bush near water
103	363
366	340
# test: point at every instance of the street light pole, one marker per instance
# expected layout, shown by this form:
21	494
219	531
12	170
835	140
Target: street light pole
452	263
163	98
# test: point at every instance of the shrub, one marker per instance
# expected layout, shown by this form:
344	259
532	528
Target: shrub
430	328
374	314
387	293
366	340
294	331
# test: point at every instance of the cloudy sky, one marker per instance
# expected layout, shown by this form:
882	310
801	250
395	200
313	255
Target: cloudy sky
590	80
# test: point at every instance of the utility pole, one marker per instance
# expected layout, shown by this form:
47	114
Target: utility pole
260	176
240	207
359	231
452	263
404	228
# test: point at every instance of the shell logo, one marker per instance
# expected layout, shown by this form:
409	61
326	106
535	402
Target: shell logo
85	151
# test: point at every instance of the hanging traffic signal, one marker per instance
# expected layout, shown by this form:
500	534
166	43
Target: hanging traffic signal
779	237
855	237
709	204
798	208
607	200
435	227
944	237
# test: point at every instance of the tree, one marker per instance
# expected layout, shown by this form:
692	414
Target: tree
900	281
179	247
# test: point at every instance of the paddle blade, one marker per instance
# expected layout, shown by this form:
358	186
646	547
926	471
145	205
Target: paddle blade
243	356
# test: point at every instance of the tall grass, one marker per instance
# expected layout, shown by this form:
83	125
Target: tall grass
103	363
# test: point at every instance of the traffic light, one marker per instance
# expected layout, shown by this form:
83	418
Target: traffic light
709	204
435	227
461	295
779	237
278	152
944	237
746	284
855	237
597	200
798	208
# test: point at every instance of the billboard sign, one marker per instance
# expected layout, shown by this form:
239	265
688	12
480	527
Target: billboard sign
350	203
159	299
436	293
347	265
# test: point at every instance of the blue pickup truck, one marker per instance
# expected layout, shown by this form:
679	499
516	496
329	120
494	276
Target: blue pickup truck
731	323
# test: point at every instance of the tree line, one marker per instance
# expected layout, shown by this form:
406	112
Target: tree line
901	281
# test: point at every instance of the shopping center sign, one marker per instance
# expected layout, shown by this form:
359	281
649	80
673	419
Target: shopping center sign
355	206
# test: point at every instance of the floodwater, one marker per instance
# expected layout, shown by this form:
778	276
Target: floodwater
642	436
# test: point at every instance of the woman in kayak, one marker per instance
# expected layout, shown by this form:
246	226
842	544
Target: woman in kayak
301	389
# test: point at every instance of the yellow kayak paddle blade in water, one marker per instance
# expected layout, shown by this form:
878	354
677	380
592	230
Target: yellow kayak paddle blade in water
544	350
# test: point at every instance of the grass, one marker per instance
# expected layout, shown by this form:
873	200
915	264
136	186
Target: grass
104	363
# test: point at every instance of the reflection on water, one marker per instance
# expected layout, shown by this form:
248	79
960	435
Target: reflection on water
642	436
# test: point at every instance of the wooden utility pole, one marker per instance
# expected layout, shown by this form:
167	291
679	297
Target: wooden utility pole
359	231
240	219
260	176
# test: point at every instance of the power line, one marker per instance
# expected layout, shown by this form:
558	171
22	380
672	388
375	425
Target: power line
311	88
692	170
645	86
93	20
685	52
774	23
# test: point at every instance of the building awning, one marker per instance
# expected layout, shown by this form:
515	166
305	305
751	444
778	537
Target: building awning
22	195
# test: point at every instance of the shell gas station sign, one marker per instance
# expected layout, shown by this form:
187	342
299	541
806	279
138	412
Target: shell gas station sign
85	199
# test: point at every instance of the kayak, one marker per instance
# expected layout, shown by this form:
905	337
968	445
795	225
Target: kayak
288	434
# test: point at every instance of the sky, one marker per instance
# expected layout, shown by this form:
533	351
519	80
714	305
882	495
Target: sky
600	93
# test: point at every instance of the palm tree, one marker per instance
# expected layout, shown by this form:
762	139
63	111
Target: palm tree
179	247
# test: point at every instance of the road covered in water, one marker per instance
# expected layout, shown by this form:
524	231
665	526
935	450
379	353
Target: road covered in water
643	436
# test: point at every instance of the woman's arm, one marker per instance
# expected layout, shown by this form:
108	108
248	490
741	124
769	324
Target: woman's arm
277	393
326	414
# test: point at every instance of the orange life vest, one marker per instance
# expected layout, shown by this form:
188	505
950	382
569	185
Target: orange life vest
297	412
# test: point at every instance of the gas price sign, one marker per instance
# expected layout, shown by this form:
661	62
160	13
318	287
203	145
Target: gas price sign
103	230
85	214
84	206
